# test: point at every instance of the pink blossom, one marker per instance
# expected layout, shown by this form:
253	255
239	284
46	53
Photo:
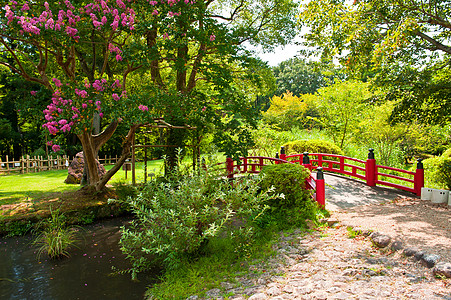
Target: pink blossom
84	105
33	93
66	128
143	107
49	143
62	122
115	97
56	148
204	108
57	82
101	115
118	57
25	7
212	37
155	12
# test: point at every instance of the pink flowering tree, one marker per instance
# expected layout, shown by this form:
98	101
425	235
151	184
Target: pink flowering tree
113	60
75	50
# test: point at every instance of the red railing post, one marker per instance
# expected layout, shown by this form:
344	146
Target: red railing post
418	178
306	161
283	156
229	167
277	156
320	188
370	169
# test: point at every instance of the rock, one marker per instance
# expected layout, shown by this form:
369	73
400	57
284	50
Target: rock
396	246
430	260
75	170
329	222
259	296
410	251
380	240
442	269
213	293
419	255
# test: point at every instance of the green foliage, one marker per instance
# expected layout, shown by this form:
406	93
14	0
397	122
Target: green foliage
403	46
342	107
288	111
312	146
296	205
176	218
268	140
56	237
15	228
299	77
438	171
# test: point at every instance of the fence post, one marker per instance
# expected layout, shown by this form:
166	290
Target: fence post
320	188
306	161
229	167
283	156
22	165
370	169
418	177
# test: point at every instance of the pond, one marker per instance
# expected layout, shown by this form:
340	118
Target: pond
87	274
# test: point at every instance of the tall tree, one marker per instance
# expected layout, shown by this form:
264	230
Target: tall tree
192	52
304	77
393	41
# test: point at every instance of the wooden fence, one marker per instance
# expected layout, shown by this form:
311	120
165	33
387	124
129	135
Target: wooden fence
28	164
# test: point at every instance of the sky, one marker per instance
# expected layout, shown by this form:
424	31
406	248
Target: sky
280	54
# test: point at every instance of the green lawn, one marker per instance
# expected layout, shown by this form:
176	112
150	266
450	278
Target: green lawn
18	187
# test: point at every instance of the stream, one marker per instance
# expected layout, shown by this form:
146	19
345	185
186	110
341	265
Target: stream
85	275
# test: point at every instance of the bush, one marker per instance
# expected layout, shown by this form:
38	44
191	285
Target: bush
297	205
438	171
175	219
312	146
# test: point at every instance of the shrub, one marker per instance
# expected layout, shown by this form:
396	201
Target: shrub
438	171
175	219
447	153
312	146
289	179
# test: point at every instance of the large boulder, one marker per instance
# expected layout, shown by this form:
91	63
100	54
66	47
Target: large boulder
75	171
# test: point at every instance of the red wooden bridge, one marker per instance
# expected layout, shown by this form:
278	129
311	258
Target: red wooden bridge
366	170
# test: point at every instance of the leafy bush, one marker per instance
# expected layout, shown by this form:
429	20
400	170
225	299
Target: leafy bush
447	153
175	219
289	179
438	171
312	146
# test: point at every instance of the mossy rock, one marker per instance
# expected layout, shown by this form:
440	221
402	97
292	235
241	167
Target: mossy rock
312	146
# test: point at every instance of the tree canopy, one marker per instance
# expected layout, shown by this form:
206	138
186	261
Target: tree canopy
403	45
130	61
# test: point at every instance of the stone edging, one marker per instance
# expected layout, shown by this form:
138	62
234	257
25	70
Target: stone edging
383	241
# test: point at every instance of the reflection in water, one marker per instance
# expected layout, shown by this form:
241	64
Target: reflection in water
85	275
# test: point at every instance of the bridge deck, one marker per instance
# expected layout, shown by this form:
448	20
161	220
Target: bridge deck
343	192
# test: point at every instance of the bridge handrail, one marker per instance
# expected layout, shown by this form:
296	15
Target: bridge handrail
371	171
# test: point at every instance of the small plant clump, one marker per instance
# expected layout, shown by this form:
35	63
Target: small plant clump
56	237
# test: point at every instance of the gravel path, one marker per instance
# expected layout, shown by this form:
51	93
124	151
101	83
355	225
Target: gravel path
328	264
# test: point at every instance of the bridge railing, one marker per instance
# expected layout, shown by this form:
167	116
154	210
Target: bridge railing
367	171
254	165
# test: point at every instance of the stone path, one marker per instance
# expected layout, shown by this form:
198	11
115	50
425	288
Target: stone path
328	264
